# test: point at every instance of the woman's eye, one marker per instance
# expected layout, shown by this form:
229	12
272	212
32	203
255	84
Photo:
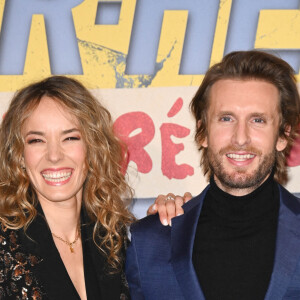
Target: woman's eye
33	141
72	138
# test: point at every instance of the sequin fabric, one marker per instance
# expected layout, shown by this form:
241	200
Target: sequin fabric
124	296
16	278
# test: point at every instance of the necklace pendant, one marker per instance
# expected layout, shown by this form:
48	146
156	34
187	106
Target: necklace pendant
71	249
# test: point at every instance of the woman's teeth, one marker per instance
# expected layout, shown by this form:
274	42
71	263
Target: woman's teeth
57	176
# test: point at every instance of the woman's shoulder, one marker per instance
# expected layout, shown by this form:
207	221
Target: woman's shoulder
16	265
9	238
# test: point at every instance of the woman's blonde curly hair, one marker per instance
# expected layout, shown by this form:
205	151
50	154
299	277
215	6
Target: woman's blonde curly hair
105	187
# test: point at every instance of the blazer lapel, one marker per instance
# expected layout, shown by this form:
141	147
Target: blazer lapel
182	240
50	271
109	283
287	252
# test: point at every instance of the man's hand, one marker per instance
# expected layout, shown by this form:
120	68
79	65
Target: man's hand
168	207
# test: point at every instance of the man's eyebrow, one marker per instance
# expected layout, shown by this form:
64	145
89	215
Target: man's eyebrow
225	112
260	115
230	113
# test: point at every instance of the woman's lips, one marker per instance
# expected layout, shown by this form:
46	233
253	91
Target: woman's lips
57	176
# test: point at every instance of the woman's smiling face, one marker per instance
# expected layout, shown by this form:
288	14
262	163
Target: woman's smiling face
54	152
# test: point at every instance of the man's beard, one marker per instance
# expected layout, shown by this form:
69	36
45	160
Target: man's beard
238	178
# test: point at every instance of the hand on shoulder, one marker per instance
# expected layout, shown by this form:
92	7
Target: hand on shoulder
168	206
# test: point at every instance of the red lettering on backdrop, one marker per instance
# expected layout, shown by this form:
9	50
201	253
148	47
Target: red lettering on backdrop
170	150
137	130
175	108
294	158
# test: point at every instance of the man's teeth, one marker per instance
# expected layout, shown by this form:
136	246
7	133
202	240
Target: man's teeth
240	157
57	176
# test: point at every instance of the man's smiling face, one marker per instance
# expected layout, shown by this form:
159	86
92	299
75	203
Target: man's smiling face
242	133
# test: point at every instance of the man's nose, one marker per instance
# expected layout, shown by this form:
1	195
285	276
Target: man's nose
241	135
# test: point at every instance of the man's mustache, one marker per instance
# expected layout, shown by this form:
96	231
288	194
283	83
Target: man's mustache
248	149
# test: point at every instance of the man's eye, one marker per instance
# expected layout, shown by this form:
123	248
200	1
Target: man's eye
225	119
259	120
33	141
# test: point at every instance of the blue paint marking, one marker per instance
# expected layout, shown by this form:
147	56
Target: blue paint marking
202	15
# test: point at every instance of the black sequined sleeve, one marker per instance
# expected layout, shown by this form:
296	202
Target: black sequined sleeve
17	280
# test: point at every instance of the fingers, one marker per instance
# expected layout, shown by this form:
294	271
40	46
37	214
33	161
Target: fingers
179	201
152	210
168	207
161	203
165	206
187	197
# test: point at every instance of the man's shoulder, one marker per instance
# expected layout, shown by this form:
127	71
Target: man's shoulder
289	200
152	225
148	224
196	201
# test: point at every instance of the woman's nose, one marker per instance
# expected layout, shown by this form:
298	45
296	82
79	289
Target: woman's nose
54	152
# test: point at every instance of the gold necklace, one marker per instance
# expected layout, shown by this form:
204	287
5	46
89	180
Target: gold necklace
71	245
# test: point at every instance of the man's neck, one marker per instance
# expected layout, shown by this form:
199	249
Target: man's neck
238	191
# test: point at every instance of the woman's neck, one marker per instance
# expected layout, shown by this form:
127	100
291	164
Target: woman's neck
62	217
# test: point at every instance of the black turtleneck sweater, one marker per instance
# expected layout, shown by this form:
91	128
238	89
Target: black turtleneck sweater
234	246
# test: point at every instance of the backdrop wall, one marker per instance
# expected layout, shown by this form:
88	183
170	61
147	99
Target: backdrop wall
144	59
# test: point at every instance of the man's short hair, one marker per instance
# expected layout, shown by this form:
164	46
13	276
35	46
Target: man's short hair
252	65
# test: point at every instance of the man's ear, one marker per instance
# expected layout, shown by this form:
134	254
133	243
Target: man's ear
203	143
282	141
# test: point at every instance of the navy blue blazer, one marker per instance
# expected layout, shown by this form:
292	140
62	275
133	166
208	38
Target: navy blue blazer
159	259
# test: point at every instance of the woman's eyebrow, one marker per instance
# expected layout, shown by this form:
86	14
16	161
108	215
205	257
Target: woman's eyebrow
70	130
35	132
43	134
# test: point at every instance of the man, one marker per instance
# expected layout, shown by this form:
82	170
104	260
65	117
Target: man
240	238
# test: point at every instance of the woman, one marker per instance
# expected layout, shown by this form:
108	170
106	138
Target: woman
63	220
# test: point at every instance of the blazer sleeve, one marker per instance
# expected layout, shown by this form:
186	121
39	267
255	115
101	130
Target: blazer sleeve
132	272
17	278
